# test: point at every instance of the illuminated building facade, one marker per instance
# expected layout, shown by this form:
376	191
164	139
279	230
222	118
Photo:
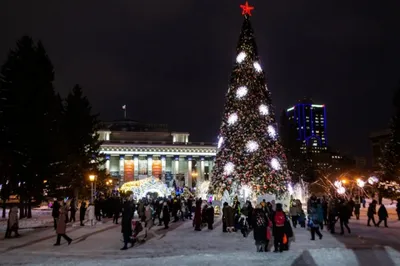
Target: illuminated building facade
136	151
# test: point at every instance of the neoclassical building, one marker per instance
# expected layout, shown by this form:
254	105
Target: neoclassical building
136	151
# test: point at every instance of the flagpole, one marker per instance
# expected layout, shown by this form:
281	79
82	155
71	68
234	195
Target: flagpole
125	112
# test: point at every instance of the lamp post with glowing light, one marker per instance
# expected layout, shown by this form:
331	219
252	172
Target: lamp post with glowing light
92	178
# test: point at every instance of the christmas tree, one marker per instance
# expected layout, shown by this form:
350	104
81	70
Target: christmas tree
249	156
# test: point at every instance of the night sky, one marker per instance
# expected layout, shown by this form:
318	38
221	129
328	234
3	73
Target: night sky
170	61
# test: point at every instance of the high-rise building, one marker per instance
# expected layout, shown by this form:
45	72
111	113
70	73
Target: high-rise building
309	121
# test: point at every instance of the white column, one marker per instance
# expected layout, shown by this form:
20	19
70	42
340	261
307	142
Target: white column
163	167
149	165
188	177
135	167
121	168
107	164
201	172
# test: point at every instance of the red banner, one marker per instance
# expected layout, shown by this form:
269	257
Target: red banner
128	171
157	168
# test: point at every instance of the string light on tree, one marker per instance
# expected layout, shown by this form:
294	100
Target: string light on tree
251	146
241	92
360	183
233	118
263	109
220	141
229	168
271	131
240	57
257	67
275	164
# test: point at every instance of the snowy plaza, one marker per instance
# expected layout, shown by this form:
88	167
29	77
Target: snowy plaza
181	245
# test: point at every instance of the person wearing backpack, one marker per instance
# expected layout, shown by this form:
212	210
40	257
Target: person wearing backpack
279	218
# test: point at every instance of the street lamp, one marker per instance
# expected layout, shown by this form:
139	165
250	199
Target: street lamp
92	178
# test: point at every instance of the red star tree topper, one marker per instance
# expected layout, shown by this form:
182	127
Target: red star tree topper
246	9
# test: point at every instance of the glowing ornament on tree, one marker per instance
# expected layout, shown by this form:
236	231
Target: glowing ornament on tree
271	131
360	183
229	168
241	56
220	141
275	164
338	184
341	190
257	67
251	146
372	180
232	119
263	109
241	92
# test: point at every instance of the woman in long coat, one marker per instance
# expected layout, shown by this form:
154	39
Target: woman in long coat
126	224
12	224
197	215
228	215
62	226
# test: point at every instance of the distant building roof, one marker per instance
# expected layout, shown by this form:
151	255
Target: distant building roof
133	126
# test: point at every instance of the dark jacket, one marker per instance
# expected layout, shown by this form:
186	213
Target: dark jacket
166	216
56	210
260	223
382	213
126	224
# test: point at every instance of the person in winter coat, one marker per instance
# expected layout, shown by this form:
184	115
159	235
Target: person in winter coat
12	223
320	213
97	209
383	215
260	225
55	212
166	216
288	234
62	227
398	209
371	212
228	217
278	221
197	215
126	224
344	216
313	224
91	214
210	216
147	219
82	212
117	210
73	209
294	213
357	207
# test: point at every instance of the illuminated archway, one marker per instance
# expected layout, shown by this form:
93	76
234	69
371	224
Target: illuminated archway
140	188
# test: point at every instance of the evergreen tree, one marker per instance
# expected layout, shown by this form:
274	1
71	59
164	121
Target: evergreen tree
29	111
82	143
390	161
248	152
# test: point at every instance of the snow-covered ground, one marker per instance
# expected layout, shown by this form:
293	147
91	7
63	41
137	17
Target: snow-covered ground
181	245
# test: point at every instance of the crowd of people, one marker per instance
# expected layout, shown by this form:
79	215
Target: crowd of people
267	220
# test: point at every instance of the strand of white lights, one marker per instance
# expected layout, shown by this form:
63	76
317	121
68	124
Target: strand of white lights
251	146
240	57
241	92
229	168
271	131
275	164
232	119
220	141
257	67
263	109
